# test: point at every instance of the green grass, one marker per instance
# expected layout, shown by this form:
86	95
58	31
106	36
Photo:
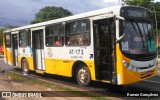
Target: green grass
1	70
28	80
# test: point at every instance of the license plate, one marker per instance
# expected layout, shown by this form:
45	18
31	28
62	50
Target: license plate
148	73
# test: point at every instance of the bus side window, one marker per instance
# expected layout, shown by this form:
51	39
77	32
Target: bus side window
58	41
54	35
23	38
77	33
68	41
8	39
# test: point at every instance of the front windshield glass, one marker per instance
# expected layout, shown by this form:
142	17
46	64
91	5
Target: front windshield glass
139	38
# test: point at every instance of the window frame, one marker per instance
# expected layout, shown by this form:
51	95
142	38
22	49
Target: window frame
8	45
27	38
55	35
89	30
29	43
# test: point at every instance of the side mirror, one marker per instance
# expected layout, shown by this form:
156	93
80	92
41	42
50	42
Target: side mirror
119	18
122	26
120	38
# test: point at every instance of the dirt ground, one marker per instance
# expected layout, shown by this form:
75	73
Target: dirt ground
6	84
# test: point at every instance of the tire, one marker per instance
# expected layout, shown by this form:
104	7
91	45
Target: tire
25	67
83	76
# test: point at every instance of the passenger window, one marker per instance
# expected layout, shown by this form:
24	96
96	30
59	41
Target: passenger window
29	38
77	33
8	39
54	35
23	38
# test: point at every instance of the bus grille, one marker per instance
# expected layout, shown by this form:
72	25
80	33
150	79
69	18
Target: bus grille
146	74
146	67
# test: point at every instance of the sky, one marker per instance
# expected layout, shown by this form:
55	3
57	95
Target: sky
21	12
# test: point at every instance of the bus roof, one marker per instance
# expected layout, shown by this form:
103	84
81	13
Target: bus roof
113	10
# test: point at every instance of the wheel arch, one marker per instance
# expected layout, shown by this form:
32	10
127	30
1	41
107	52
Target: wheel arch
76	66
22	60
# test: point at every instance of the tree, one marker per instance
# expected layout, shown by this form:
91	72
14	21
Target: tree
50	13
10	26
5	28
143	3
157	9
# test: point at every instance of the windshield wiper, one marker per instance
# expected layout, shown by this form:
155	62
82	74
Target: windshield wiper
143	41
140	33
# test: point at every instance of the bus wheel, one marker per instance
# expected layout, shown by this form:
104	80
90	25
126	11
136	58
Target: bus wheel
83	76
25	67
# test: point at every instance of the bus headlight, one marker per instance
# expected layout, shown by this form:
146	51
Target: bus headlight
126	64
129	66
136	69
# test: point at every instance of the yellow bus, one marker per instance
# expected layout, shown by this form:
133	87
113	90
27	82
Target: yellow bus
116	45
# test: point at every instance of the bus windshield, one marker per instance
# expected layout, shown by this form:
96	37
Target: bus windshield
139	37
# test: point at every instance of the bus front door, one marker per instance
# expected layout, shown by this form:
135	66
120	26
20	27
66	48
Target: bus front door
38	49
15	49
104	44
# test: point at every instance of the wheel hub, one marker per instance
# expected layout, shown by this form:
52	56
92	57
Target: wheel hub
83	76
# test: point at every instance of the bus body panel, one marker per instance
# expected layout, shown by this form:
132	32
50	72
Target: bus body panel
25	52
60	59
64	67
132	77
91	66
8	56
4	49
126	76
70	53
50	66
29	59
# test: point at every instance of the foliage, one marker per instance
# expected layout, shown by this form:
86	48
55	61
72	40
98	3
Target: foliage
1	70
143	3
10	26
1	32
50	13
157	8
